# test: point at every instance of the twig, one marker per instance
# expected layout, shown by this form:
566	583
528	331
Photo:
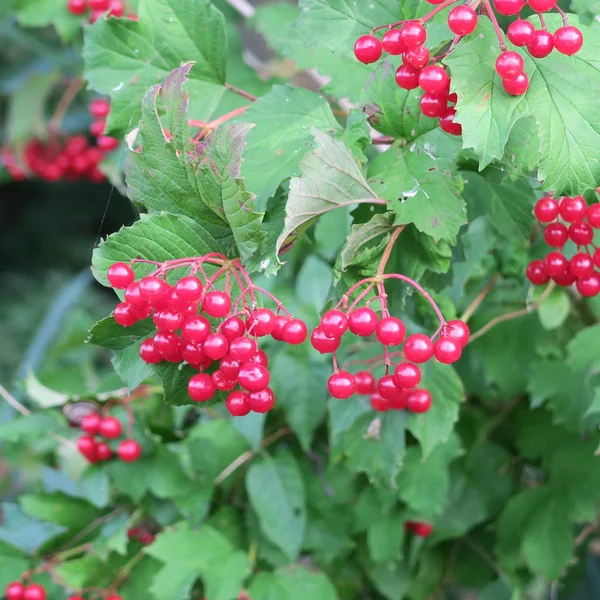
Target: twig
63	106
586	532
246	456
243	93
88	528
484	554
127	568
388	250
479	298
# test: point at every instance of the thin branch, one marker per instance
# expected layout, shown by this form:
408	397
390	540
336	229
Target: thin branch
585	533
388	250
63	106
241	92
89	528
480	298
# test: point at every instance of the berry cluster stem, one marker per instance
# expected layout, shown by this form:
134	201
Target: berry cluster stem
499	33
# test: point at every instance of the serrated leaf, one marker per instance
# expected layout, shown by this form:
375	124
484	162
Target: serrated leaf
23	531
130	367
584	348
342	415
82	572
385	536
42	395
109	334
391	580
292	583
41	13
174	378
60	509
28	427
363	235
12	564
555	309
277	495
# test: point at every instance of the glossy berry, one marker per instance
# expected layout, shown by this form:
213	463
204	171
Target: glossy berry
368	49
462	20
75	7
280	323
123	315
418	348
388	388
448	124
237	404
261	402
581	233
216	304
564	280
253	377
341	385
555	263
589	286
509	65
407	375
166	342
233	328
107	143
542	5
378	403
34	591
110	428
295	332
419	528
116	8
243	348
390	331
573	210
541	45
363	321
407	77
581	265
546	210
129	450
413	34
536	272
365	382
418	401
103	451
322	343
260	358
434	79
518	86
556	235
99	5
167	320
416	57
133	296
458	330
447	350
14	591
509	7
222	382
189	288
113	597
195	329
154	290
596	257
99	108
593	215
215	346
149	354
193	353
568	40
230	366
86	445
521	32
433	105
201	387
91	423
392	42
120	275
334	323
261	322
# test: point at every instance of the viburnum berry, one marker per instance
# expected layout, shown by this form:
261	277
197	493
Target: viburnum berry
260	358
407	77
418	348
149	354
201	387
458	330
166	342
556	235
555	263
596	257
341	385
573	210
91	423
232	328
215	346
216	304
434	79
462	20
509	7
418	401
368	49
407	375
123	315
222	382
154	290
565	279
581	265
334	323
392	42
536	272
390	331
589	286
189	288
517	86
546	210
103	451
34	591
448	124
593	215
243	348
378	403
541	45
129	450
110	428
113	597
388	388
120	275
280	323
99	108
238	404
86	445
261	322
323	343
581	233
521	32
133	296
509	65
568	40
253	377
413	34
75	7
365	382
116	8
97	127
167	320
107	143
193	353
295	332
195	329
262	401
447	350
433	105
416	57
230	366
363	321
14	591
542	5
99	5
419	528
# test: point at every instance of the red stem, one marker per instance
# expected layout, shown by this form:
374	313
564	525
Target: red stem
497	28
423	19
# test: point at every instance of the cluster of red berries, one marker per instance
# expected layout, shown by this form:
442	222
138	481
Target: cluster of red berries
115	8
141	535
109	428
19	591
181	314
407	38
419	528
580	269
397	391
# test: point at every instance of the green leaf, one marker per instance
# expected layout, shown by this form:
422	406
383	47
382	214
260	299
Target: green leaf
276	492
24	532
385	537
83	572
313	283
292	583
391	580
130	367
188	554
342	415
60	509
284	119
12	564
94	487
420	190
175	379
555	309
330	179
109	334
41	13
42	395
584	348
30	427
360	246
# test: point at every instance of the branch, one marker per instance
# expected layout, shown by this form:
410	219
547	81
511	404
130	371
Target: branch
480	298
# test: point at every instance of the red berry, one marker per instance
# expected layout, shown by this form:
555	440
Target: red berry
334	323
447	350
462	20
413	34
573	210
509	65
97	127
146	538
123	315
167	320
434	79
154	290
167	343
14	591
133	296
238	403
448	124
541	45
193	353
388	388
521	32
564	280
99	108
233	328
117	9
90	423
215	346
322	343
75	7
261	322
581	233
222	382
261	402
363	321
107	143
581	265
518	86
593	215
77	597
253	377
110	428
216	304
129	451
418	348
418	401
407	375
416	57
243	348
536	272
113	597
378	403
390	331
589	286
260	358
556	235
568	40
542	5
546	210
392	42
103	451
201	387
149	354
365	382
596	257
458	330
368	49
407	77
509	7
433	105
341	385
419	528
99	5
195	329
120	275
86	445
295	332
555	263
230	366
280	322
189	288
34	592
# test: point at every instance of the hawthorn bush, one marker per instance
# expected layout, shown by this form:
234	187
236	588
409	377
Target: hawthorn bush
355	349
